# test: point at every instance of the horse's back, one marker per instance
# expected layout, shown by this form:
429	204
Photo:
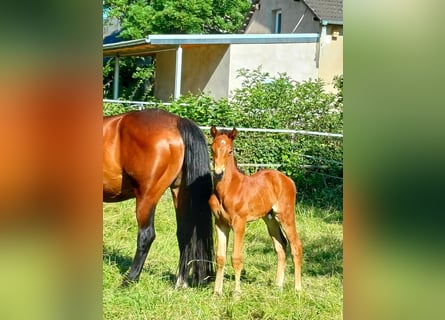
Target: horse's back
151	120
151	130
274	179
139	146
279	187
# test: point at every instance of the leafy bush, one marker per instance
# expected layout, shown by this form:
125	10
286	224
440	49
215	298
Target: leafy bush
314	162
136	77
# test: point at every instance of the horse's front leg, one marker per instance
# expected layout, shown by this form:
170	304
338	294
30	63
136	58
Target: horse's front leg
239	227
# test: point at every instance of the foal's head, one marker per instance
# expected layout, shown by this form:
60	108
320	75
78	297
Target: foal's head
222	149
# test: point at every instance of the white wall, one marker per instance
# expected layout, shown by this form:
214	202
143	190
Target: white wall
298	60
214	68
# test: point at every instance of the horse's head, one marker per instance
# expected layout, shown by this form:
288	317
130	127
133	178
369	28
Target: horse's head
222	149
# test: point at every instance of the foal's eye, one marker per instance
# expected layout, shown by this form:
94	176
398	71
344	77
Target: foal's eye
230	152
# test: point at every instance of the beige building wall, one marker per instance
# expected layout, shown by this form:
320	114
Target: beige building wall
331	55
214	68
164	86
205	67
297	60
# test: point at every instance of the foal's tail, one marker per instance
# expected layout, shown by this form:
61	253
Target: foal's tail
195	228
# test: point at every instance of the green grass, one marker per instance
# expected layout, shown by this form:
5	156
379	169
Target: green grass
154	297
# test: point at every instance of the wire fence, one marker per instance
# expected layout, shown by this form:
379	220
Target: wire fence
140	105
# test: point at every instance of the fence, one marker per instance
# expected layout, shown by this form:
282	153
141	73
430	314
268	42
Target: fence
140	105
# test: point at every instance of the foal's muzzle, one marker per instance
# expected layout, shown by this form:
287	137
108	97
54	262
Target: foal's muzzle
218	176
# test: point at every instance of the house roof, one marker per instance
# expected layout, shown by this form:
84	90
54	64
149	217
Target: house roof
328	11
162	42
253	7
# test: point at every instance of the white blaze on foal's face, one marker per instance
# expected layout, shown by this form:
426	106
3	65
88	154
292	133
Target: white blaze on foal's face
222	150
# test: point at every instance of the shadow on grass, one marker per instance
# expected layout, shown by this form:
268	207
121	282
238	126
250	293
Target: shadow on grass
323	193
321	256
111	257
123	263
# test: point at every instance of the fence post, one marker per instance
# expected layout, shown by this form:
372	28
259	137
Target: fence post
116	78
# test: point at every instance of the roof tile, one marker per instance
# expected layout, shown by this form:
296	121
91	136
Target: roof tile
331	10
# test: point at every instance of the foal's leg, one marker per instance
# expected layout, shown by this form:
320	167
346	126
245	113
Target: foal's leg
239	228
222	233
222	236
288	224
279	243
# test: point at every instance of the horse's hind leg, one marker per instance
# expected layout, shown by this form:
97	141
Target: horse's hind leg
184	234
147	198
279	242
183	270
146	235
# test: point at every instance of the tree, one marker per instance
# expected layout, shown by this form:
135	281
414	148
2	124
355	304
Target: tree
139	18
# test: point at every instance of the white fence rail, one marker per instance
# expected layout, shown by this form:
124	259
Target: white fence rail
290	131
142	105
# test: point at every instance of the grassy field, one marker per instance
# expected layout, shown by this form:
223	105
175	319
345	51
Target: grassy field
154	297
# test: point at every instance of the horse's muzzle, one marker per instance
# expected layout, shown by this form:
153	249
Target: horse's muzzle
218	176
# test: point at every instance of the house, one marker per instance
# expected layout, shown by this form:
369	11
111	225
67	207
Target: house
324	17
301	38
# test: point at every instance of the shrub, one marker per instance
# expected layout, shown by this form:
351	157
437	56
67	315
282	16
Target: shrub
314	162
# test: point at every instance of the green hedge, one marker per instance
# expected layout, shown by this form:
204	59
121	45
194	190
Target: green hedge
314	162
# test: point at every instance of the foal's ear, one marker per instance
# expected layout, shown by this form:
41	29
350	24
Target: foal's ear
213	131
233	133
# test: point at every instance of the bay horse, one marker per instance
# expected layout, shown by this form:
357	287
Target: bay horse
146	152
238	199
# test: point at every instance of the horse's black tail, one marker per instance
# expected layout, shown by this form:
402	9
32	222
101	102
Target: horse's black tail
194	218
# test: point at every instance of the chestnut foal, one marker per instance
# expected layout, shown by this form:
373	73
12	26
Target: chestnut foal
238	199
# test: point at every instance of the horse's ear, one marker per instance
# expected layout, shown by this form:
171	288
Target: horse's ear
234	133
213	131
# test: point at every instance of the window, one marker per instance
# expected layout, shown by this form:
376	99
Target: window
277	21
